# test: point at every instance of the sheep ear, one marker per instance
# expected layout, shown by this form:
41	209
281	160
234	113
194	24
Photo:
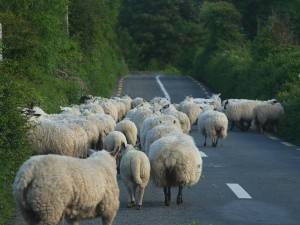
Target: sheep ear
123	146
174	121
116	152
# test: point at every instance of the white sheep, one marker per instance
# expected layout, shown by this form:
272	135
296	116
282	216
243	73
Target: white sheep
181	116
120	106
49	188
92	107
70	110
129	129
157	132
114	139
175	161
137	101
151	122
105	124
135	172
109	108
191	109
53	137
213	124
267	115
214	100
241	112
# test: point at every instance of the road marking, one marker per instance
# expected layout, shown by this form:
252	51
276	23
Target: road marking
287	144
120	87
238	191
203	154
272	137
163	88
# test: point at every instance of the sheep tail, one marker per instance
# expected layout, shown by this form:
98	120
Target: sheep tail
137	173
22	184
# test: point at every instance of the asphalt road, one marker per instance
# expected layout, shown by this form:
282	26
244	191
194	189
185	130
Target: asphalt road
249	179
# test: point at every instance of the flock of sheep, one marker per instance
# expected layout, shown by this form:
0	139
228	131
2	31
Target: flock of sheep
80	151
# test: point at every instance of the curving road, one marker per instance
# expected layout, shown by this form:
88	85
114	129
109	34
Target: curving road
249	179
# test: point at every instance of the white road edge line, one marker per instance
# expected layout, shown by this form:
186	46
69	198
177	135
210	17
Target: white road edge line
163	88
287	144
203	154
238	191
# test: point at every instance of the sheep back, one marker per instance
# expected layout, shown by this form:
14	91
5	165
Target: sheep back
50	187
174	160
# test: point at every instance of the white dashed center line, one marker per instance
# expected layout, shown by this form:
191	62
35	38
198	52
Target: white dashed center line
239	191
203	154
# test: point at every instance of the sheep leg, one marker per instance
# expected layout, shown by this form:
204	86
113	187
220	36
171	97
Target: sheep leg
167	191
213	142
217	141
74	222
205	137
131	200
141	195
232	125
248	125
179	196
107	220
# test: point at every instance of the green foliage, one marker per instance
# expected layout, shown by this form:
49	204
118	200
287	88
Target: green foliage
290	98
264	67
50	66
103	62
14	146
155	33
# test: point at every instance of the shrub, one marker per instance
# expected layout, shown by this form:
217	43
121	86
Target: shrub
14	146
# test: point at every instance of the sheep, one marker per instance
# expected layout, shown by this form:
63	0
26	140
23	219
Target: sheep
182	117
137	101
141	115
214	100
266	114
50	188
120	106
212	124
129	129
131	113
85	98
157	132
126	99
92	107
151	122
72	111
191	109
109	108
175	161
241	112
105	124
135	172
112	140
51	137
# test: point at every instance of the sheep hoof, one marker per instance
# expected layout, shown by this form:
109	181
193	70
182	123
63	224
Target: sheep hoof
139	207
130	204
179	200
167	203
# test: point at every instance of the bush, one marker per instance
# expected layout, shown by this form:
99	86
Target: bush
14	146
290	98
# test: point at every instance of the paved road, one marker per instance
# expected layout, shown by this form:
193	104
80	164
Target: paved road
249	179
